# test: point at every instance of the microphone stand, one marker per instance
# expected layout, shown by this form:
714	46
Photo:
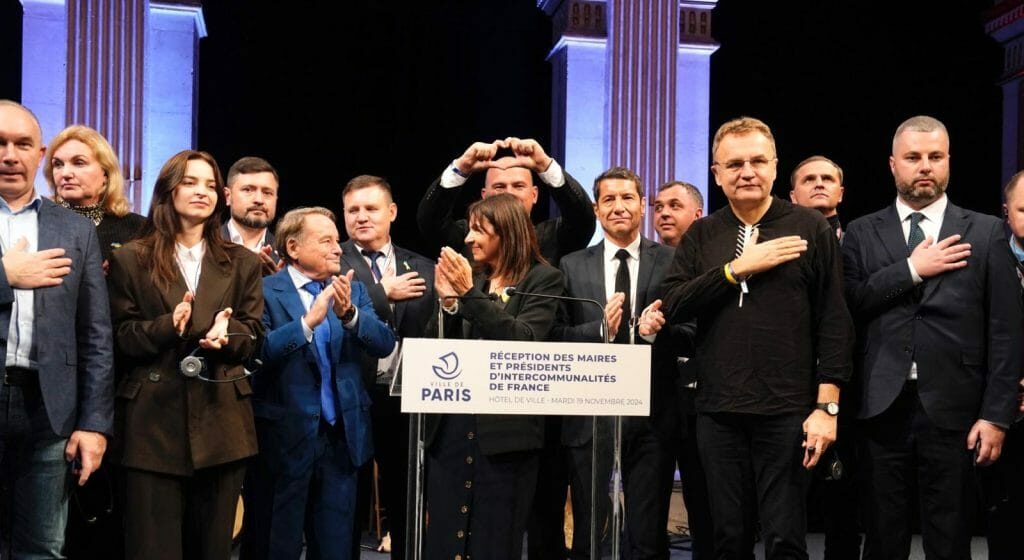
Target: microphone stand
617	517
417	449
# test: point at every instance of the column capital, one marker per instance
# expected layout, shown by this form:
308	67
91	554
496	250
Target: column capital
193	7
577	18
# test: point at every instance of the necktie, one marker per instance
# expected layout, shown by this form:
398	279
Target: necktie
322	347
916	233
622	284
373	256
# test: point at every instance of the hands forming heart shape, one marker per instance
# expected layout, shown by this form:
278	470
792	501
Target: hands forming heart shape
527	153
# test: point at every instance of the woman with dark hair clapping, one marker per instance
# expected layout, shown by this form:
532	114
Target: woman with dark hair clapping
482	469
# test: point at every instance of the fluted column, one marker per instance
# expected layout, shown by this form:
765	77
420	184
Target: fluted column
123	67
631	88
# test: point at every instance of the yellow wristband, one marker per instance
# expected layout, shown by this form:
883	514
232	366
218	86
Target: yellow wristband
728	275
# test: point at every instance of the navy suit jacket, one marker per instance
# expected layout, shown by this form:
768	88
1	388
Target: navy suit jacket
962	328
286	391
579	322
409	317
71	329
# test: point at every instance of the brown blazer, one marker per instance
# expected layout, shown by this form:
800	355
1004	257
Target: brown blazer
164	422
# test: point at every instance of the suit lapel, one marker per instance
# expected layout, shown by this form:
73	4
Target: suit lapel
355	261
890	234
595	271
49	222
214	281
281	283
644	274
401	257
953	221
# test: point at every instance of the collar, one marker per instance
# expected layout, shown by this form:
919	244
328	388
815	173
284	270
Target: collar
298	278
385	250
633	249
934	211
32	205
194	253
1015	247
236	236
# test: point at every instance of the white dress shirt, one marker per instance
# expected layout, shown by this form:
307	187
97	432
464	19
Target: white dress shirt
931	225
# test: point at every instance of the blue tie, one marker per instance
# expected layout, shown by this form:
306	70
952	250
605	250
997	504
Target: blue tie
373	256
322	345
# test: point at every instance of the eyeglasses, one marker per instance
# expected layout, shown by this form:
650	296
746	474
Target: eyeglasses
735	165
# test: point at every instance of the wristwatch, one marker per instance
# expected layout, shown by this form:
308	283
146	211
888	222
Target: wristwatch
830	408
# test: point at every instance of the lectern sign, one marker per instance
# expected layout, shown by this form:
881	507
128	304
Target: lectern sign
506	377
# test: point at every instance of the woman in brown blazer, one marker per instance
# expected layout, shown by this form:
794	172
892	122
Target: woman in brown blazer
179	291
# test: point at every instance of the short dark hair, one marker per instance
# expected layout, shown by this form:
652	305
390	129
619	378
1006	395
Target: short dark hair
251	164
812	159
618	173
365	182
1012	184
692	190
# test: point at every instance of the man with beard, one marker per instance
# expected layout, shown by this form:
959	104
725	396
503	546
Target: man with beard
932	289
251	197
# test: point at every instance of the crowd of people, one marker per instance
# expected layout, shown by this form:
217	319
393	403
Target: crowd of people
180	361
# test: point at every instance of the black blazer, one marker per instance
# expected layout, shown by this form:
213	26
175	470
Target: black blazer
522	318
963	328
409	318
556	236
580	322
226	234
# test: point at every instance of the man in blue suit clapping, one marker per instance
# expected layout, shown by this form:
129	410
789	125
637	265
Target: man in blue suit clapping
312	410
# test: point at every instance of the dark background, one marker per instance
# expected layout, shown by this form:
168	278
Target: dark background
328	90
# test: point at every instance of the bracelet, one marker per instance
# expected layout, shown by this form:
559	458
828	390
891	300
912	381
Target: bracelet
727	269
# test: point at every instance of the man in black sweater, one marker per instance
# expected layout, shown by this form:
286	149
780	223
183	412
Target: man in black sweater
762	278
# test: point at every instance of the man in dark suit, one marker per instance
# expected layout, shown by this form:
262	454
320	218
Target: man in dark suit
514	175
312	411
251	197
57	399
400	284
938	310
624	273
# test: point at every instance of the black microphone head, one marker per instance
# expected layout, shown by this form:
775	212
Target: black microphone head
510	291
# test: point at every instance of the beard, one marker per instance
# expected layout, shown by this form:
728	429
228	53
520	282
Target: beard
920	194
250	221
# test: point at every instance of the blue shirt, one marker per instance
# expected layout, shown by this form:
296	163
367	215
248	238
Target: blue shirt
15	225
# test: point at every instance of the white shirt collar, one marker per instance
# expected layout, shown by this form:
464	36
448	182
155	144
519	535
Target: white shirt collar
633	249
933	212
386	249
236	236
190	254
298	278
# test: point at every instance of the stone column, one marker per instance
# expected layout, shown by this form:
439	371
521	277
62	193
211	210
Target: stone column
123	67
631	81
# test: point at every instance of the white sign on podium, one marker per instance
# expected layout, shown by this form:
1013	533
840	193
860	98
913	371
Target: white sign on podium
514	377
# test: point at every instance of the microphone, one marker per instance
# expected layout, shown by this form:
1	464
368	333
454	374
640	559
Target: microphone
441	312
513	291
194	366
